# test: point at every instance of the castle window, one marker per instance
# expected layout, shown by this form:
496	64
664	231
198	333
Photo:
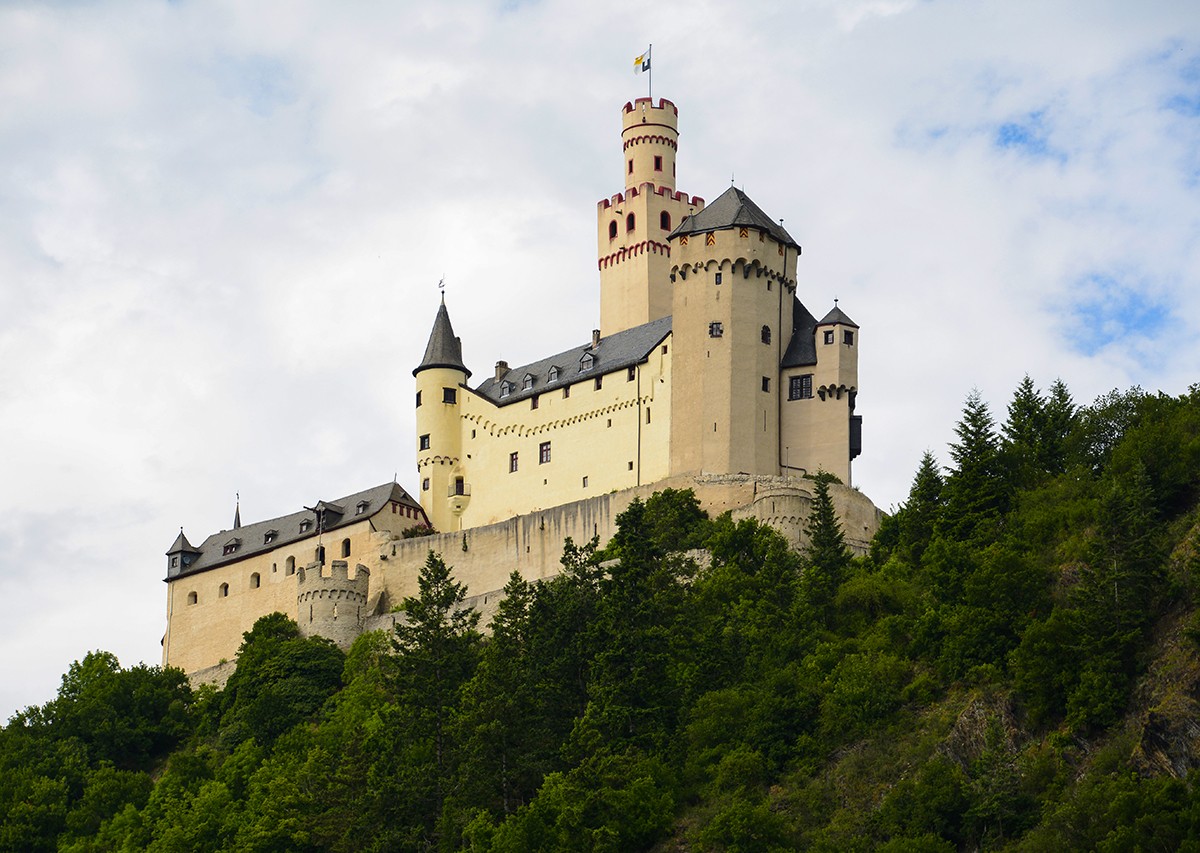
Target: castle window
543	453
305	526
192	598
566	392
587	362
174	562
505	389
647	416
612	230
424	442
255	580
630	221
766	334
800	387
630	464
632	373
599	382
274	568
664	221
270	536
289	568
631	165
345	547
425	485
449	395
766	383
664	349
319	554
715	330
527	382
460	486
418	399
710	239
658	162
361	507
223	590
533	402
717	278
848	338
585	481
231	546
553	375
829	336
512	462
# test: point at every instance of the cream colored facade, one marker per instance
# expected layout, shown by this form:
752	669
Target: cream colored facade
707	372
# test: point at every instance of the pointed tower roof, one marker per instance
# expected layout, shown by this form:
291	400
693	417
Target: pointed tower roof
837	317
731	209
181	545
237	513
443	349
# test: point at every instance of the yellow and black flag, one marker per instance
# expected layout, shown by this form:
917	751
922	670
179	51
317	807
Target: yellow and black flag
642	63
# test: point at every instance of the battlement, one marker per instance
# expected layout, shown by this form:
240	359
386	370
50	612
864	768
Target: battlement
332	605
663	105
655	189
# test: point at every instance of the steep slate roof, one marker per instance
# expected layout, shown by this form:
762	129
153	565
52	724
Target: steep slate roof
443	349
837	317
616	352
802	348
181	545
287	528
732	208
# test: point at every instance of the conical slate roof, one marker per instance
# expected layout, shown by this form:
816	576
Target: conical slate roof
731	209
181	545
837	317
443	349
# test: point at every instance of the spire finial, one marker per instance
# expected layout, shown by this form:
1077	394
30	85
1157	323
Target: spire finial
442	288
237	512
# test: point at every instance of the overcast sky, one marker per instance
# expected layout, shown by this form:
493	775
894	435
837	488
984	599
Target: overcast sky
222	226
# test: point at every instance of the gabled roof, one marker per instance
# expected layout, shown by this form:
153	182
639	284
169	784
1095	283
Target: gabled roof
443	349
837	317
287	529
732	209
802	348
615	352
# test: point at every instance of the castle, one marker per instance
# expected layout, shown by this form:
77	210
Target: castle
707	372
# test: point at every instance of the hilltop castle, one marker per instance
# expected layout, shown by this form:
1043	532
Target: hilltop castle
707	372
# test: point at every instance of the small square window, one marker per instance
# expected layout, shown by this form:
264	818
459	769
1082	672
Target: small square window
848	338
543	453
829	336
424	442
766	383
449	395
715	330
512	462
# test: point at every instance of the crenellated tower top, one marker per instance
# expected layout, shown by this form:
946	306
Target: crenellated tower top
650	137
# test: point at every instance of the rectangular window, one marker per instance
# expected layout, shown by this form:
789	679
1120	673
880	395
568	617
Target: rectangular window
599	382
425	485
848	338
800	387
543	453
566	392
585	482
425	442
632	373
512	462
647	416
418	399
533	402
766	383
829	336
717	278
658	162
449	395
631	167
715	330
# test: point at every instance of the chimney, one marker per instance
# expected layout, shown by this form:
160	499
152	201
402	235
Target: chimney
595	339
501	369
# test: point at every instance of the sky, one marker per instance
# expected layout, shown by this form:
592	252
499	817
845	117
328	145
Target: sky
223	224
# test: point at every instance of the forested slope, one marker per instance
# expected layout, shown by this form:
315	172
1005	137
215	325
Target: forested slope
1014	666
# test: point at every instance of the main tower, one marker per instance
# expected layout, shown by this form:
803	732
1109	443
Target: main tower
633	254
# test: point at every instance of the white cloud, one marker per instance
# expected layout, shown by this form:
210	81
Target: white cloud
221	227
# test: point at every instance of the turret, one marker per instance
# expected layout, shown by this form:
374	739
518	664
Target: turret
441	379
633	254
180	555
332	605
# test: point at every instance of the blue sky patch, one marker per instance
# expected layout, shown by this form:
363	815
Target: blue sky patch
1108	309
1028	136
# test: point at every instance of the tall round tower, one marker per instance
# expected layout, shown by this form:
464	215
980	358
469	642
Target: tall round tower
632	227
441	380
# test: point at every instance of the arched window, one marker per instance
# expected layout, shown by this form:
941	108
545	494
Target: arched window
192	598
255	580
612	230
223	590
629	222
345	547
664	221
766	334
289	568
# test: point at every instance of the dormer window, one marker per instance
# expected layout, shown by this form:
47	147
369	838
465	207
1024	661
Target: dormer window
361	507
231	546
527	382
306	526
505	388
587	362
270	536
553	375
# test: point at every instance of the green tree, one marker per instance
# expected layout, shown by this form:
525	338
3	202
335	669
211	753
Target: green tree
975	492
826	557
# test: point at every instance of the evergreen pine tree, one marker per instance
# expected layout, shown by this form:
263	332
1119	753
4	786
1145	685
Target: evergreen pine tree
827	558
1023	432
919	517
975	493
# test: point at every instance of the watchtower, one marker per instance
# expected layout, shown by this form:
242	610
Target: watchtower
332	606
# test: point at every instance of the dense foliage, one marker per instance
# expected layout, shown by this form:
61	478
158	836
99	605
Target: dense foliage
990	676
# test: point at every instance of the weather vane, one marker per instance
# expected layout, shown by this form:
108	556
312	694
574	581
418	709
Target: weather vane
442	287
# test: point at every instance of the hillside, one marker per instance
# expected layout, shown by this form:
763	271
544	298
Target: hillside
1015	666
